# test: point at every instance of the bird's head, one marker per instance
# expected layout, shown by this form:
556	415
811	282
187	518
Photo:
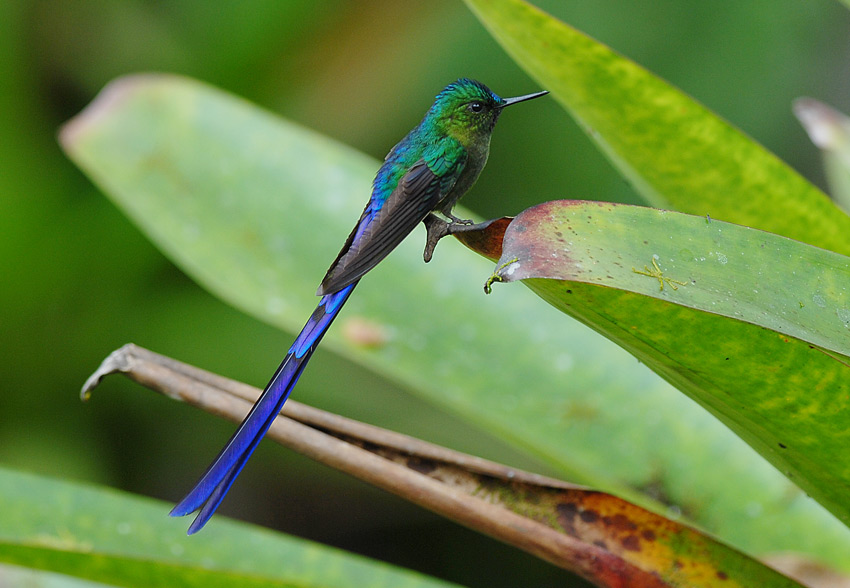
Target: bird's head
468	110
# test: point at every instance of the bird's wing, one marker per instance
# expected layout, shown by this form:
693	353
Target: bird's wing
379	231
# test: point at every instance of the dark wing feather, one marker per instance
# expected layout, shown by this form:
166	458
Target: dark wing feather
417	194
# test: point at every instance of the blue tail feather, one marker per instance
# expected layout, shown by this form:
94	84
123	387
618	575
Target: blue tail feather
220	475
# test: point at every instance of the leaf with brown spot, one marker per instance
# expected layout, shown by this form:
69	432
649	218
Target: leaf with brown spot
605	539
753	326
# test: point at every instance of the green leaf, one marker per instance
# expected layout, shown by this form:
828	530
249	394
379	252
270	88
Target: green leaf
13	576
254	208
108	536
753	326
676	153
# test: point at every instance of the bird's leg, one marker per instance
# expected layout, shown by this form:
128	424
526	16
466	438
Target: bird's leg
437	229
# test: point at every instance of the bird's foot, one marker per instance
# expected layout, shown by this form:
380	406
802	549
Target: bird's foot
459	221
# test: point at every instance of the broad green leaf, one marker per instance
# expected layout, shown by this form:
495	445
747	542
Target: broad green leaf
753	326
829	130
676	152
107	536
254	208
14	576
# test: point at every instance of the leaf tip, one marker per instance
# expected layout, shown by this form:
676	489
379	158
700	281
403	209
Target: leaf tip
826	127
107	100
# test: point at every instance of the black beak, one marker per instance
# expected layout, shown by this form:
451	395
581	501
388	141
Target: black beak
509	101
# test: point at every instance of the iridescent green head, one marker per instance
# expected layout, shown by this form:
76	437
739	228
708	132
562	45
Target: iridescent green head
467	109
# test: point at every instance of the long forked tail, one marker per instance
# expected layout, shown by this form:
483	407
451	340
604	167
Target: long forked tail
216	481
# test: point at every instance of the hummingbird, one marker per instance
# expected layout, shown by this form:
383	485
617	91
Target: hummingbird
426	172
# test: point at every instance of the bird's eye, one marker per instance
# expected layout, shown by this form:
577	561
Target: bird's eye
476	106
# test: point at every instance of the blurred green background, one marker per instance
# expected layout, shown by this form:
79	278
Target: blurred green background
78	280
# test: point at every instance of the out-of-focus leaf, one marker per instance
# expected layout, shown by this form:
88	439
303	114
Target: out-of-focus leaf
676	152
829	130
15	576
753	326
107	536
254	208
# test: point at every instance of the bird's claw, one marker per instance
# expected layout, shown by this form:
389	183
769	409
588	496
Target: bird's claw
460	221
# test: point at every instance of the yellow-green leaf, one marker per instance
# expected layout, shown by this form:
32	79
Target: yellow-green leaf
675	152
753	326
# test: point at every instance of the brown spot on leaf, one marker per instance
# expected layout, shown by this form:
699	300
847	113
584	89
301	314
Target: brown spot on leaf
631	543
722	575
567	512
589	516
567	509
648	534
620	522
